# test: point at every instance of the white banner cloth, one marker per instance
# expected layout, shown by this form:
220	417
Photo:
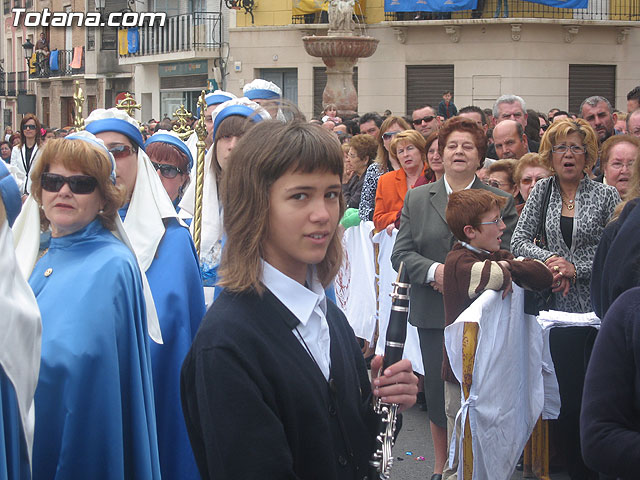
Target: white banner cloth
506	396
355	283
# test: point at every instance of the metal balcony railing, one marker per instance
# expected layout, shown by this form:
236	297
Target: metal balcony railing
11	84
22	83
3	84
65	65
180	33
613	10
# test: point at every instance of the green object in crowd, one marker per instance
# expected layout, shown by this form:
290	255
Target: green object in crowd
350	218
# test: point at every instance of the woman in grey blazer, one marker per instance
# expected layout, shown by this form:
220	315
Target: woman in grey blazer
423	242
578	211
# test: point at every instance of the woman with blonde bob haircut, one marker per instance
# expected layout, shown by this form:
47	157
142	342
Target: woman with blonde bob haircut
409	148
95	341
577	211
271	339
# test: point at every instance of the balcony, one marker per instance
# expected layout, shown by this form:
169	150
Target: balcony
3	84
182	37
11	84
612	10
22	83
68	64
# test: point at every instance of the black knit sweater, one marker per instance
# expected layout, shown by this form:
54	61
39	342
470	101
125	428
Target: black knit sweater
257	406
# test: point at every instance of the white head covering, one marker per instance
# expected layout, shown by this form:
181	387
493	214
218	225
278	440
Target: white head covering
149	204
21	329
26	232
211	213
260	88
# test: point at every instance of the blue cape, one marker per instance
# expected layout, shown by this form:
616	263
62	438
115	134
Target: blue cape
176	286
14	458
94	400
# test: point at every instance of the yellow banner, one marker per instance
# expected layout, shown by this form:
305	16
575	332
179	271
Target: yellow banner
304	7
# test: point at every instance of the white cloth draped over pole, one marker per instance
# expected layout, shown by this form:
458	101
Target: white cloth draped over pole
555	319
21	329
507	394
387	276
355	283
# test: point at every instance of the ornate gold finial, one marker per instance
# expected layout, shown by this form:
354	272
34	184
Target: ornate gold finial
201	128
128	104
78	100
183	130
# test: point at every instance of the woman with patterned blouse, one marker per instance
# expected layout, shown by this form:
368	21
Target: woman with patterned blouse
578	211
383	163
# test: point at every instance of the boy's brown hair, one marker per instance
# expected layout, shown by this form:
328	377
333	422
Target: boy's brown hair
467	206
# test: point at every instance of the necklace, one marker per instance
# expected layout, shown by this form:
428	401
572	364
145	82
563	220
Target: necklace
569	203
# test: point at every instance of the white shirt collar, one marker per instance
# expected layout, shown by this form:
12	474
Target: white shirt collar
448	187
300	300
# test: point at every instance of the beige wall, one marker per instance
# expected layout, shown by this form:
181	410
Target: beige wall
488	62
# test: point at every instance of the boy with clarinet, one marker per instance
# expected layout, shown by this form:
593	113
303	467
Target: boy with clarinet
275	385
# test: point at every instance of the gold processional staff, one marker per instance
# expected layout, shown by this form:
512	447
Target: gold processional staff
129	105
184	132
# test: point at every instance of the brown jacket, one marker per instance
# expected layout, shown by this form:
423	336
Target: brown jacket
468	273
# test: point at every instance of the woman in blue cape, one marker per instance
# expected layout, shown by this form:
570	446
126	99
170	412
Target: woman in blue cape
167	255
94	400
20	329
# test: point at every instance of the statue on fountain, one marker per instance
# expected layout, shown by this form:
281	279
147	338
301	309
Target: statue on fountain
341	16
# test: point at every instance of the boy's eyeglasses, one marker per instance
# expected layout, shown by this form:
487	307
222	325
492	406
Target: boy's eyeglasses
167	171
495	222
78	184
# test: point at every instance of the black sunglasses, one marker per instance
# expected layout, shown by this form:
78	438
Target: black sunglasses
29	127
120	151
79	184
167	171
426	119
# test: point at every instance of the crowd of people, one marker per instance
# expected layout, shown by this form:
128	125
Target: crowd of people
183	358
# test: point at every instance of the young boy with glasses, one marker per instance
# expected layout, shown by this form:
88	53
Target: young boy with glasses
477	263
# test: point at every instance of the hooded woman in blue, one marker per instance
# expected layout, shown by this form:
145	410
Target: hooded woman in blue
167	255
94	399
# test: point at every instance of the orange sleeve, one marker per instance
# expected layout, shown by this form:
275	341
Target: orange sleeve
388	202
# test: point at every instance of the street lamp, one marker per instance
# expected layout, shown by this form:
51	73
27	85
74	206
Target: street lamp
100	6
28	50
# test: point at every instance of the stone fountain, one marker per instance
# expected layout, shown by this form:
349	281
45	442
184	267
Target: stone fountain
340	50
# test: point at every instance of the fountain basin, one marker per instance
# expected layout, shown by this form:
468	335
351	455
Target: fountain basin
340	46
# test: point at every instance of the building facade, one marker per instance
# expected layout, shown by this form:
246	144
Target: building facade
551	57
174	63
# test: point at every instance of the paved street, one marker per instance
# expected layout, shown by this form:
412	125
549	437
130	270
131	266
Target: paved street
416	438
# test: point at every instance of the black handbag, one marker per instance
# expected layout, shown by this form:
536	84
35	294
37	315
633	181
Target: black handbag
536	301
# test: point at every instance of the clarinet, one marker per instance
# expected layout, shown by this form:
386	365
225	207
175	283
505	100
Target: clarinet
382	459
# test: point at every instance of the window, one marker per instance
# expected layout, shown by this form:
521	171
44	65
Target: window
426	83
588	80
286	79
319	82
